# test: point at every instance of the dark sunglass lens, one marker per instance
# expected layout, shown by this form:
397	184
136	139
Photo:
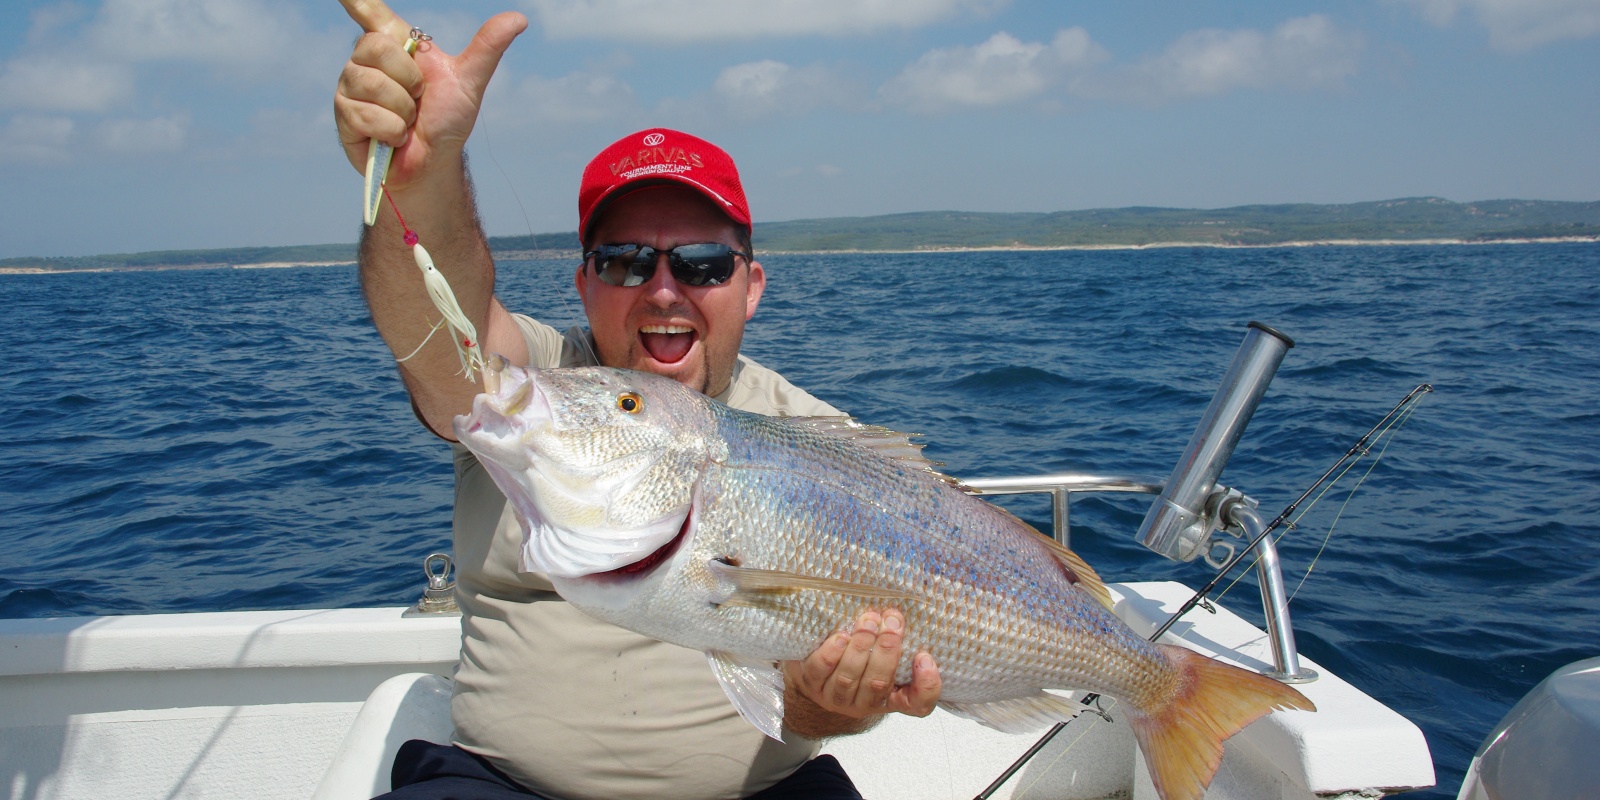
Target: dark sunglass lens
624	265
703	264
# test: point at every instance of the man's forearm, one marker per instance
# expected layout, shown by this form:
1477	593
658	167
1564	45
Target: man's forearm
441	210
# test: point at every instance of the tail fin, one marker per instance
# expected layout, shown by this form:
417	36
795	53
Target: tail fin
1182	741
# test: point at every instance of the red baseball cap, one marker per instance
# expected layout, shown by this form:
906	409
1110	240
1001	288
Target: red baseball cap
660	156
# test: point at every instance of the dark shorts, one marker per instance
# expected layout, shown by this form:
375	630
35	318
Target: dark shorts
428	771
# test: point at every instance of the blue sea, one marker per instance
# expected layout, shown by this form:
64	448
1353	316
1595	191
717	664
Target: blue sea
237	439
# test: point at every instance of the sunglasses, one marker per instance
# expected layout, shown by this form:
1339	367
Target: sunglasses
706	264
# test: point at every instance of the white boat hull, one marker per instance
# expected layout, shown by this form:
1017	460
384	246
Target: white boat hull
260	705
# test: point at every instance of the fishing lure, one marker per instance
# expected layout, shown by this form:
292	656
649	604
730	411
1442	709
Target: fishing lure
379	154
464	335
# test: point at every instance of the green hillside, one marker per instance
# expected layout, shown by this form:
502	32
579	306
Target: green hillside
1410	219
1427	218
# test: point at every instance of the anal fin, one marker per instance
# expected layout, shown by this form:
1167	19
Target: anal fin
1024	714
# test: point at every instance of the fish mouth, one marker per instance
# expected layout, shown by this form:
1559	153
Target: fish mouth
512	402
640	568
668	343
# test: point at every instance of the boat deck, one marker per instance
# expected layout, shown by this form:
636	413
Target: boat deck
256	704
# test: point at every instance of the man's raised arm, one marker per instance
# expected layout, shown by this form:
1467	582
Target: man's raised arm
425	106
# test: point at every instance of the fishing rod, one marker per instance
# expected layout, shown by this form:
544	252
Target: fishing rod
1360	448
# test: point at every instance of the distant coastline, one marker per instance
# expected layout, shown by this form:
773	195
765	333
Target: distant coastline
1022	248
573	255
1406	221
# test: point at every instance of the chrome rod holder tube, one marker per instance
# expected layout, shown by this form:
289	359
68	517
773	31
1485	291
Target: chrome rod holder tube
1178	525
1274	601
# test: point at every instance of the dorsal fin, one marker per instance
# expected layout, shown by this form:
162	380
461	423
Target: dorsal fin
893	445
1078	570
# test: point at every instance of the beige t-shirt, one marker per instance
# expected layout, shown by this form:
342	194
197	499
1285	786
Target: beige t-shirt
576	708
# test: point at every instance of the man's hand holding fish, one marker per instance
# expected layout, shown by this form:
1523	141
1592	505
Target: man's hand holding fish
872	650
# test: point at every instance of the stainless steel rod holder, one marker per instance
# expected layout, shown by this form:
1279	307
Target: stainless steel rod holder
1178	525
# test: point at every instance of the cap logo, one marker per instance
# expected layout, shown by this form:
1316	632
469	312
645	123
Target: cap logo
653	139
656	161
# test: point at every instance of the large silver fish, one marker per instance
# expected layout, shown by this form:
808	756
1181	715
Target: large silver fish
753	538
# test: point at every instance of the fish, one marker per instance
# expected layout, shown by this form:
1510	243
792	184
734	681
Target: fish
753	538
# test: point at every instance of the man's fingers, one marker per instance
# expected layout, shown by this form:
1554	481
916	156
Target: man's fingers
822	662
376	17
379	53
919	697
477	63
878	678
845	682
364	86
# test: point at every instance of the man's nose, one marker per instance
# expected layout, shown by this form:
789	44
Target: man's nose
662	289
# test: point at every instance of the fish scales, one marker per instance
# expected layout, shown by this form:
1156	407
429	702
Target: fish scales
790	499
753	538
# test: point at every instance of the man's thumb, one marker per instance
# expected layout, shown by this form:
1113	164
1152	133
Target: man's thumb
478	61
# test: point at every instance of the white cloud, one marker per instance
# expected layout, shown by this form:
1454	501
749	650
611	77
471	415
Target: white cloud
709	20
1000	71
757	90
252	38
211	31
286	133
48	19
771	88
29	139
755	81
58	84
1304	53
579	98
1518	25
143	136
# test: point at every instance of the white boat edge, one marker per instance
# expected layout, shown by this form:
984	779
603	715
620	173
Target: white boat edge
264	705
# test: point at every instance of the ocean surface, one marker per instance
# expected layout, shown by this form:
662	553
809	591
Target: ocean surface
237	439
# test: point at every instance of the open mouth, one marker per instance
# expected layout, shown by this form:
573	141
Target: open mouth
667	344
649	562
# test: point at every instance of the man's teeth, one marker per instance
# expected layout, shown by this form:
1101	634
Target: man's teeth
665	329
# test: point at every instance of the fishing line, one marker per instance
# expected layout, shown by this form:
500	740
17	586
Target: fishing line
1387	436
1360	447
1099	714
533	239
1392	433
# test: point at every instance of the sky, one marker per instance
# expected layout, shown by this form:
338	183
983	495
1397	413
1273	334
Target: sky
133	125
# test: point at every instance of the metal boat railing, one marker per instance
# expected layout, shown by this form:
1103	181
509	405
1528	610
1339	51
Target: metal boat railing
1060	487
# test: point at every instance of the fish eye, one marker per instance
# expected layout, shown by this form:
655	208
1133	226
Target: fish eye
630	402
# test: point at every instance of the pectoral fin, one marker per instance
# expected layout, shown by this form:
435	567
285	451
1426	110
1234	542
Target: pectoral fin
747	586
754	687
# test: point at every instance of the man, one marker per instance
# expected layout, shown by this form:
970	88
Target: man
548	700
